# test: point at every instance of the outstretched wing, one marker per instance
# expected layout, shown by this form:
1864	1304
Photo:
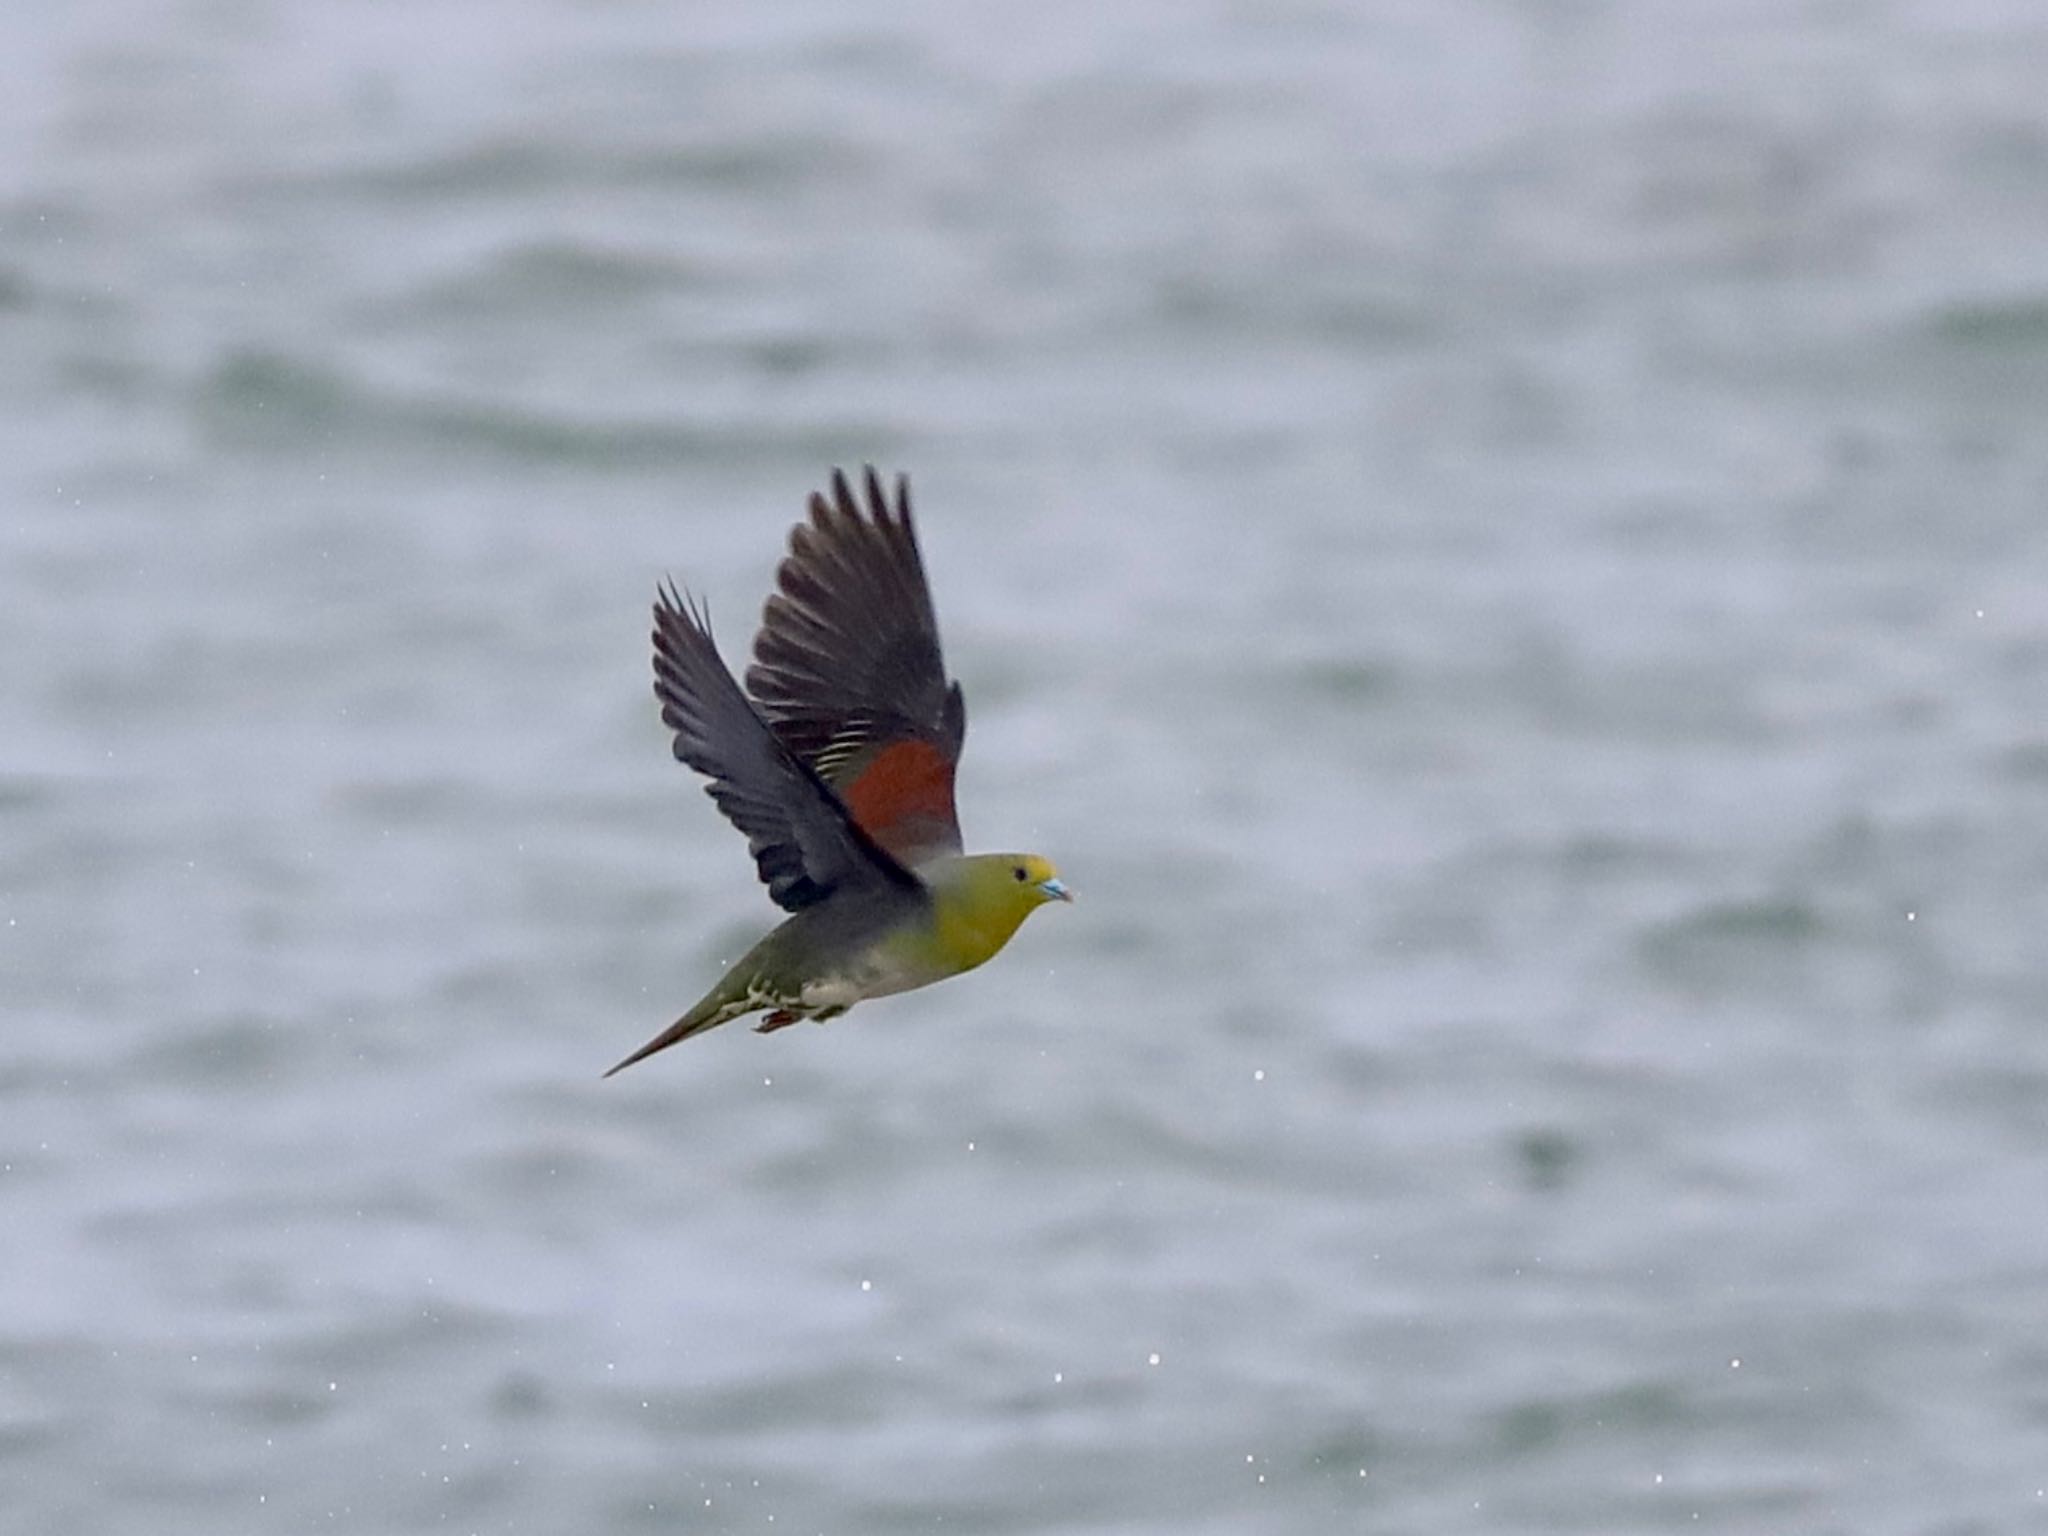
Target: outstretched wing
848	673
803	841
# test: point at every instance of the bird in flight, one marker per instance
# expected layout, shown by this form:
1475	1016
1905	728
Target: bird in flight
839	770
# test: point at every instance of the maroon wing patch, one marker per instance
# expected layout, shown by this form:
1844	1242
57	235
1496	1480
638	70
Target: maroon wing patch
902	797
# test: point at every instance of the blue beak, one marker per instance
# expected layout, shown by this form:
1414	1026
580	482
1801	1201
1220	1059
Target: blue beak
1055	890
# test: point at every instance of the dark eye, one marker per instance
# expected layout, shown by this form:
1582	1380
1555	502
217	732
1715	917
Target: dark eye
1019	872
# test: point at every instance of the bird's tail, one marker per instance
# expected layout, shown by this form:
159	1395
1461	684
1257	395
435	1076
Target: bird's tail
713	1011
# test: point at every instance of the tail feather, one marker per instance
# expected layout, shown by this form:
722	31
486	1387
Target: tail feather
708	1014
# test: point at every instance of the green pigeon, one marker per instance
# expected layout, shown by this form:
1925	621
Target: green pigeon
839	769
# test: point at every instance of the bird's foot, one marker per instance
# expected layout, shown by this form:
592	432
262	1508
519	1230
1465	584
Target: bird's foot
776	1020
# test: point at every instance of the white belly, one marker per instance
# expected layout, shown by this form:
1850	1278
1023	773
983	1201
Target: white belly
874	977
832	992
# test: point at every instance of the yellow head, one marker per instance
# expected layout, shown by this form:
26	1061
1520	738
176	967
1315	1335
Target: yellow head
980	900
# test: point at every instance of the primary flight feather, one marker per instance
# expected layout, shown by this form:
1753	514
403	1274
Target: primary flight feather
839	770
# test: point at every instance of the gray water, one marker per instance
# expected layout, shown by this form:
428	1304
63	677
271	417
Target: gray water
1501	547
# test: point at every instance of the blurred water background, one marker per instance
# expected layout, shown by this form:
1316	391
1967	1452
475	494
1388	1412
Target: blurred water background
1502	547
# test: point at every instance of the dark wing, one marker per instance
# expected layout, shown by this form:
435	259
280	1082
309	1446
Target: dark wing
847	670
802	839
